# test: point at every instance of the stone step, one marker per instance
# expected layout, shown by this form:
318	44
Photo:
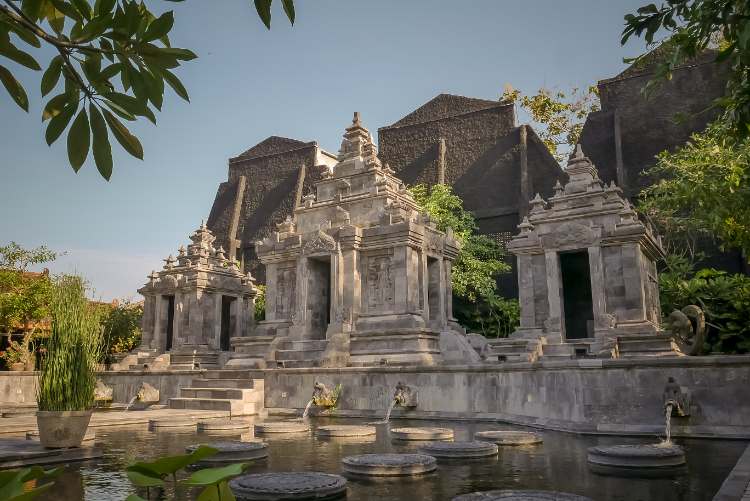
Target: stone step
503	349
229	374
303	345
626	344
299	364
558	350
225	393
235	407
285	355
222	383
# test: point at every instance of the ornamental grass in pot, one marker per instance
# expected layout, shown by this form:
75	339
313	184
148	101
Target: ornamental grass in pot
67	375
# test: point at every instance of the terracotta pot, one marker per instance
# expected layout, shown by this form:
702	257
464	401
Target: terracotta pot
18	367
61	429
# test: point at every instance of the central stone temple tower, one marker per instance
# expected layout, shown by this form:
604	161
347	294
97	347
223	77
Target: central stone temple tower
357	275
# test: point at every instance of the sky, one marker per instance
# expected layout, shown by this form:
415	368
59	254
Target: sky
383	58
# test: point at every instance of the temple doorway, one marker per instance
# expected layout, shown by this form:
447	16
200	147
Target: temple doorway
576	291
169	328
319	296
227	322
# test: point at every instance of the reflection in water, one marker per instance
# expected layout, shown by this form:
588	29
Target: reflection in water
557	464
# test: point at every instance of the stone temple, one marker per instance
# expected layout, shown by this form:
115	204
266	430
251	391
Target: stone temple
357	275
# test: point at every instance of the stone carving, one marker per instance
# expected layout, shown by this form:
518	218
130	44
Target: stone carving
285	286
573	234
147	394
379	282
323	396
102	392
405	396
322	243
677	399
688	328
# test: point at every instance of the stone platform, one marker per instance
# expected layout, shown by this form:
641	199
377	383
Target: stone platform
288	486
519	495
422	434
460	450
232	452
281	427
509	437
666	455
388	465
345	431
19	453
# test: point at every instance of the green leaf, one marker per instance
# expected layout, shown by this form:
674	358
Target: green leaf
79	140
10	51
171	464
140	480
32	8
110	71
14	88
94	28
128	141
119	110
175	83
219	492
54	106
211	476
159	27
104	6
83	7
57	124
51	75
67	9
289	9
101	147
181	54
134	497
264	11
155	88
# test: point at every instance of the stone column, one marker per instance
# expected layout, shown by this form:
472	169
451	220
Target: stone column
147	323
598	292
337	284
526	291
177	319
399	267
554	296
300	316
632	273
448	290
271	285
213	331
197	315
424	287
351	287
158	340
441	318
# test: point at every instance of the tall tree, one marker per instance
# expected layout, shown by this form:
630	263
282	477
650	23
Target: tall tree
113	59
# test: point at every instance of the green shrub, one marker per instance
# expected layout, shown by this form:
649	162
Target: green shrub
724	298
260	303
493	317
122	327
68	371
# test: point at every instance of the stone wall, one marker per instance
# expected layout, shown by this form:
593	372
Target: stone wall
587	396
20	387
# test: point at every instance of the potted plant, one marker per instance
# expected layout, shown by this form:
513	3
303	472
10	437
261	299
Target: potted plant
67	375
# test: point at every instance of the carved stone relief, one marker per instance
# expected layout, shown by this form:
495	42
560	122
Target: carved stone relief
380	288
285	291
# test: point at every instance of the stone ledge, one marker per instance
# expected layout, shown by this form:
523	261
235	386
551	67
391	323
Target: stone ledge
736	486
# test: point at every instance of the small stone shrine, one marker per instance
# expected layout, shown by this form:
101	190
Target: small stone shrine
196	304
358	275
586	273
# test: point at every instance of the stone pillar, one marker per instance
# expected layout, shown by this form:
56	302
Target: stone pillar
213	331
526	292
399	266
177	319
448	290
424	287
147	323
300	313
441	318
271	284
197	315
554	296
337	293
632	273
351	297
412	282
158	340
598	292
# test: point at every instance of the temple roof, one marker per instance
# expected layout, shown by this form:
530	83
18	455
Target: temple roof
272	145
445	106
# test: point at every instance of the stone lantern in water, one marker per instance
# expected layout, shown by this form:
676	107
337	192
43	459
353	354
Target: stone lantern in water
587	273
196	304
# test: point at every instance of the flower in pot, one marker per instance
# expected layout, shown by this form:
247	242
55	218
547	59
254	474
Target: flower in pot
67	375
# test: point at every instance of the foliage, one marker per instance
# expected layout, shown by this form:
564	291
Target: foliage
724	298
21	485
558	115
494	317
259	312
24	297
692	27
95	42
67	377
475	270
122	327
703	189
329	400
150	475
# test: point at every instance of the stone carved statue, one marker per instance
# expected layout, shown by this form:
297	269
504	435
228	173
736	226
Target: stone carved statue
677	397
325	397
688	326
404	395
379	282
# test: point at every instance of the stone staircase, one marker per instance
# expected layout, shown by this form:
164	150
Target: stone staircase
512	350
649	346
291	354
199	360
240	392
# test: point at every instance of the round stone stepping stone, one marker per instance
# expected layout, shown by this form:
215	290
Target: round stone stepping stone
422	433
460	450
288	486
164	423
223	425
387	465
281	427
232	452
344	430
637	456
509	437
518	495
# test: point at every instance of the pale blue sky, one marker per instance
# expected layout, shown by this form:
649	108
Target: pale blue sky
383	58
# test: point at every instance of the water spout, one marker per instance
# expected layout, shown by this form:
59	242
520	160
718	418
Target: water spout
131	402
307	409
668	425
388	412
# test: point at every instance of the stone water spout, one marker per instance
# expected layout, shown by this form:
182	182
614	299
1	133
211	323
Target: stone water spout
322	396
677	401
403	396
146	396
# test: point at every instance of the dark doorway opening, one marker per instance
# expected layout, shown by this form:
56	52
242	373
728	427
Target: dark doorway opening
319	295
227	322
577	304
170	321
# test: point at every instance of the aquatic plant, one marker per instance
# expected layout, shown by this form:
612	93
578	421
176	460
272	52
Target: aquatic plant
21	485
67	375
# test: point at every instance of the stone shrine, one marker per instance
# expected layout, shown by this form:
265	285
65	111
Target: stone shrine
196	304
357	276
587	275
